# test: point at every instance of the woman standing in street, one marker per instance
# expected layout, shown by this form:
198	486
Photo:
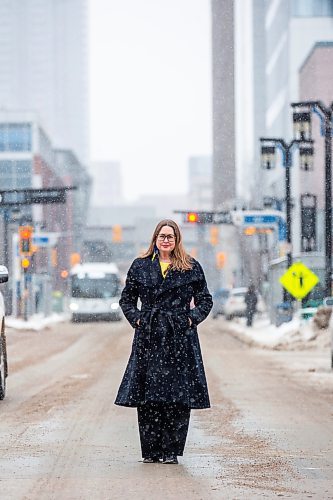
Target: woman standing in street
165	376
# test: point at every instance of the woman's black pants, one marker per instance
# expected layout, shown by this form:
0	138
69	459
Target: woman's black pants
163	429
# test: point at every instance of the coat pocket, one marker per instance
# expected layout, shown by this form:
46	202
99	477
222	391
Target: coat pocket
144	320
182	322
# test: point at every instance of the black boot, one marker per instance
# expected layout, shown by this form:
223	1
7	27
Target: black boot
170	459
151	460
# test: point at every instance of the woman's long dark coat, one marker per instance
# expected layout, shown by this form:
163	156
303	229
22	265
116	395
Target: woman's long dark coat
165	364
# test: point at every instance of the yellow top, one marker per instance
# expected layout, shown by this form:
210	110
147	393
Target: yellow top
164	268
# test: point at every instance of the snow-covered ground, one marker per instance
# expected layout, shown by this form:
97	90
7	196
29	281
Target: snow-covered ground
296	334
37	322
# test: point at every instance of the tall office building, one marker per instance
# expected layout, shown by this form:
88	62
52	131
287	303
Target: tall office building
292	28
270	48
238	87
238	97
224	187
43	61
250	92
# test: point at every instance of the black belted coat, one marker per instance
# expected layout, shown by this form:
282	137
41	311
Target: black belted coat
165	364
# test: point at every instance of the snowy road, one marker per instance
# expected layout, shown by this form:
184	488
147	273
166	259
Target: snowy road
269	433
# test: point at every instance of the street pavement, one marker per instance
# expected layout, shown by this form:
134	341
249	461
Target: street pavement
268	434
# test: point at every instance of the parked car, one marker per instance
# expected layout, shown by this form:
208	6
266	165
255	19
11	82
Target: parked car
3	351
235	304
219	298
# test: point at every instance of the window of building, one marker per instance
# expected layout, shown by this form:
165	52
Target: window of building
15	137
15	174
312	8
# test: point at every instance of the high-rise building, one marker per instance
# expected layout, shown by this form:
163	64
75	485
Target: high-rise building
287	47
292	28
270	48
43	61
108	185
250	96
224	187
238	98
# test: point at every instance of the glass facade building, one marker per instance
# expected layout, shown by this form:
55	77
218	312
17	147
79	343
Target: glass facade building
15	174
15	137
44	66
311	8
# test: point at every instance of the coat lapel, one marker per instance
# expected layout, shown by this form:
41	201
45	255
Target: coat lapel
155	273
173	279
176	279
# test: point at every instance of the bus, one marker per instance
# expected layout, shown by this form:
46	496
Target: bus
95	292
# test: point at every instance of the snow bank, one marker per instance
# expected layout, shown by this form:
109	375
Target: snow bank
294	334
36	323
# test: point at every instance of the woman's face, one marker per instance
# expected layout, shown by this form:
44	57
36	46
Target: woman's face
166	240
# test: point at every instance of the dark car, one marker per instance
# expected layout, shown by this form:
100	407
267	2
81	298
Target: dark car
219	298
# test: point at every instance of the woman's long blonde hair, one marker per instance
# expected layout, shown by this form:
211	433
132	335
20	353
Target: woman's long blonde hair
180	260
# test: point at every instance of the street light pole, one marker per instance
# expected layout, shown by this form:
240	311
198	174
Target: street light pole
287	160
302	122
268	158
269	162
328	204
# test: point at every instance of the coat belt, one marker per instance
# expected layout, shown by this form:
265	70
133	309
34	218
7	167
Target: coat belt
168	313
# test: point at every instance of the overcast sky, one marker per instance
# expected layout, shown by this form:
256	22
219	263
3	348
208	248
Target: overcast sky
150	89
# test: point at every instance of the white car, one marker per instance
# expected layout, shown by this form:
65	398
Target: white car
3	351
235	303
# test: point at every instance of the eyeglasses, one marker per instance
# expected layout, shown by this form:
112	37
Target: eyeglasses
169	237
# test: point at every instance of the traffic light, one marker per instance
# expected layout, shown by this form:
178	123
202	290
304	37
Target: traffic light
117	234
192	217
75	258
54	257
199	217
214	235
220	260
25	240
25	263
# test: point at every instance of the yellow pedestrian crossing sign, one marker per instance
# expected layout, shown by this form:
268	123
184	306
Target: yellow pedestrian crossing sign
299	280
